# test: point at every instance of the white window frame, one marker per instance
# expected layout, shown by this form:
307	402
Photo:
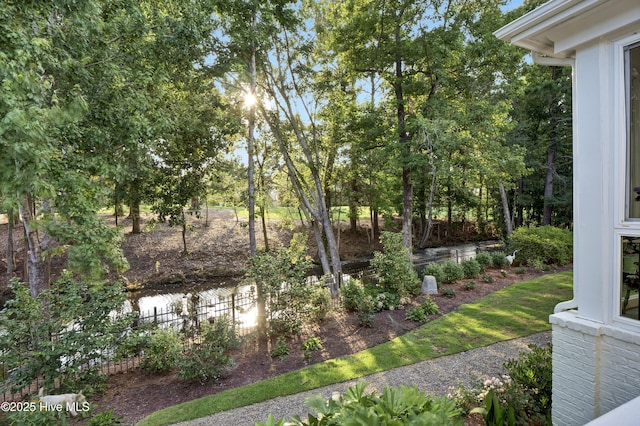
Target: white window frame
623	226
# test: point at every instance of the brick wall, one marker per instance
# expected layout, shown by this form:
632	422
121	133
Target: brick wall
596	368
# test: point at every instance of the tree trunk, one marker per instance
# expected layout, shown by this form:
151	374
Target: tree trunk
134	213
184	234
554	112
37	266
10	258
251	148
263	215
505	209
427	233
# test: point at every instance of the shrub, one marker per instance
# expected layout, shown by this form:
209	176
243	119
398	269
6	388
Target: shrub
487	278
209	359
396	405
394	267
283	293
436	271
499	259
421	312
471	268
549	244
366	310
163	351
320	302
87	319
538	265
452	271
448	292
384	301
484	259
532	370
521	271
469	285
523	396
351	293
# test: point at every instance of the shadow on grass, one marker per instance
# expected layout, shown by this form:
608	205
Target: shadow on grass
515	311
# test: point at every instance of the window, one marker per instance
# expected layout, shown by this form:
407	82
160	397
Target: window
630	249
632	107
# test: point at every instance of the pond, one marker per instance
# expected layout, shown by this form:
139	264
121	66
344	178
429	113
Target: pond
187	305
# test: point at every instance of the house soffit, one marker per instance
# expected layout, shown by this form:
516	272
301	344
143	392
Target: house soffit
559	27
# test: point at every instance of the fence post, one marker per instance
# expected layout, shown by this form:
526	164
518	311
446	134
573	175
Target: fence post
233	308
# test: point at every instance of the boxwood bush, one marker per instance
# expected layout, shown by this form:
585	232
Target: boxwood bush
549	244
484	260
471	268
434	270
452	271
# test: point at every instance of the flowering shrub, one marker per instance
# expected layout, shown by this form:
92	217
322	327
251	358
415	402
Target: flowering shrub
521	397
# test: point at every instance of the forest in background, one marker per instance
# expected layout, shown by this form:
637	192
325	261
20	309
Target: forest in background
406	108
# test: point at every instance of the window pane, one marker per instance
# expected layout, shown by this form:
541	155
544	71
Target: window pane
630	278
632	69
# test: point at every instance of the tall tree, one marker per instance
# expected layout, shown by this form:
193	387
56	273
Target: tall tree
412	46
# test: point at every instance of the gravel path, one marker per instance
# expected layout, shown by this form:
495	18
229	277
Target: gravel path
435	377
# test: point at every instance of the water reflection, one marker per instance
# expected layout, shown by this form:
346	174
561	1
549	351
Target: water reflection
185	309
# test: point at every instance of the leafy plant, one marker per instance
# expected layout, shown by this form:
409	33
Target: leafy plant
494	413
393	266
521	271
420	313
106	418
452	271
484	259
280	350
395	405
310	345
209	359
163	350
471	268
469	285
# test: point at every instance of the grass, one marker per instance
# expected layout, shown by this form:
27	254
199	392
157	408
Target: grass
516	311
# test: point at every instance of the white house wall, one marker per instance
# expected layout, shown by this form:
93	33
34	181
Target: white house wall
596	353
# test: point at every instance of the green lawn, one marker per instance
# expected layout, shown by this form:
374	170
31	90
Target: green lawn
516	311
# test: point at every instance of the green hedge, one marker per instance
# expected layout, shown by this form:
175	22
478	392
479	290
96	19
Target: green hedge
544	243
